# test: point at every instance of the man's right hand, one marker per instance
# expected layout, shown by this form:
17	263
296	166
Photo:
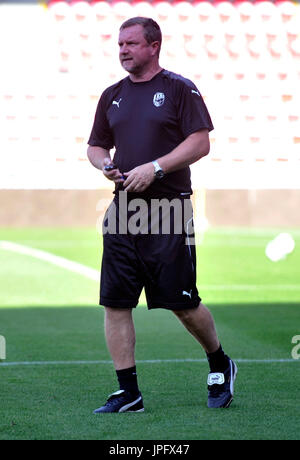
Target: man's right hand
99	158
111	174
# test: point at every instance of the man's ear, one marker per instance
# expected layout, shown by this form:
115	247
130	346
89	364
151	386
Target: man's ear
155	48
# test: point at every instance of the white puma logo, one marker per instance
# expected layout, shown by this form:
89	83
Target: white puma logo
196	92
117	103
187	293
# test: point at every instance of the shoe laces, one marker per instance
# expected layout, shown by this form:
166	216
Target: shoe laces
112	398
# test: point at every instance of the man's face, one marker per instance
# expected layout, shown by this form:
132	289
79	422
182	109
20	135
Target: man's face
135	52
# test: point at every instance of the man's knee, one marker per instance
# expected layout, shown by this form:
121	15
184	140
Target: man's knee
118	315
186	314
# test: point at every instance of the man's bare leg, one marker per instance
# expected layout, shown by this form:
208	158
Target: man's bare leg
199	322
120	336
120	339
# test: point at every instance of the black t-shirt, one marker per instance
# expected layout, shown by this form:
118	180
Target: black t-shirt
147	120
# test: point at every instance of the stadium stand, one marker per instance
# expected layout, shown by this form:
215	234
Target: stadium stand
244	57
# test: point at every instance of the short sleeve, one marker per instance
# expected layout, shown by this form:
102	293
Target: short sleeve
192	111
101	134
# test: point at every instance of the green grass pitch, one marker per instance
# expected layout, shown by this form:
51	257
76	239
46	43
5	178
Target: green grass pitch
50	380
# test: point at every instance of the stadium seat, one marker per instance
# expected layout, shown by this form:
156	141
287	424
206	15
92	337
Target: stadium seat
287	10
277	48
172	43
164	12
80	11
295	48
226	11
59	11
194	46
292	29
121	11
204	11
106	43
266	11
183	11
215	48
101	9
103	16
257	47
246	11
235	46
184	18
142	8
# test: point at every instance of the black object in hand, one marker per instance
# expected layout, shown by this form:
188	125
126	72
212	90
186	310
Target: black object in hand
110	167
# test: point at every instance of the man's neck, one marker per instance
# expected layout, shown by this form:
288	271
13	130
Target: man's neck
145	76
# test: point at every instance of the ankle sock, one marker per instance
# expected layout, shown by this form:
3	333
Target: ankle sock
128	380
218	361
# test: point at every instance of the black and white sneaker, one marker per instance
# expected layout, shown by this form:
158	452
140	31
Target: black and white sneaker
122	401
221	386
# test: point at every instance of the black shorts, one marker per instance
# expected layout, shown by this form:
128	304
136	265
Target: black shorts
141	250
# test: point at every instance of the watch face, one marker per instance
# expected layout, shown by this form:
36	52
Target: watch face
159	174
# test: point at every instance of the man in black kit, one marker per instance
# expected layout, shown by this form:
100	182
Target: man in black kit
159	125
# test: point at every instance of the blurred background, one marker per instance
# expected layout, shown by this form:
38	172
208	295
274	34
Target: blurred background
56	59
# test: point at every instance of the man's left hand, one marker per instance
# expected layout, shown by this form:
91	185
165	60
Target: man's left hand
139	178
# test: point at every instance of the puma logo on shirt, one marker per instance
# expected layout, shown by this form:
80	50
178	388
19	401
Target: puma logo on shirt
117	103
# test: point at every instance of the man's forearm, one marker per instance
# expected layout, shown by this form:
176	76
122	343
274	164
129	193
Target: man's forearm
96	156
189	151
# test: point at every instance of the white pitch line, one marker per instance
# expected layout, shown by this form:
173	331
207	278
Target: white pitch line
144	361
94	275
67	264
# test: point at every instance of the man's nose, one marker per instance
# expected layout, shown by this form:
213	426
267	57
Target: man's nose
123	49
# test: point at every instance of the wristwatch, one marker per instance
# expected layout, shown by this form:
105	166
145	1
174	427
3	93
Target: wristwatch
158	172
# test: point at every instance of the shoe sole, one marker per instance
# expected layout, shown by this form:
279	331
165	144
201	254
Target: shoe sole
120	412
139	410
234	372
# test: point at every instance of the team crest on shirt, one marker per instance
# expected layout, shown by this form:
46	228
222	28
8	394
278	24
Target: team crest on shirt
158	99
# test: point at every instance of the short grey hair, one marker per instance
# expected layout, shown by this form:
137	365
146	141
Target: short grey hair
152	32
